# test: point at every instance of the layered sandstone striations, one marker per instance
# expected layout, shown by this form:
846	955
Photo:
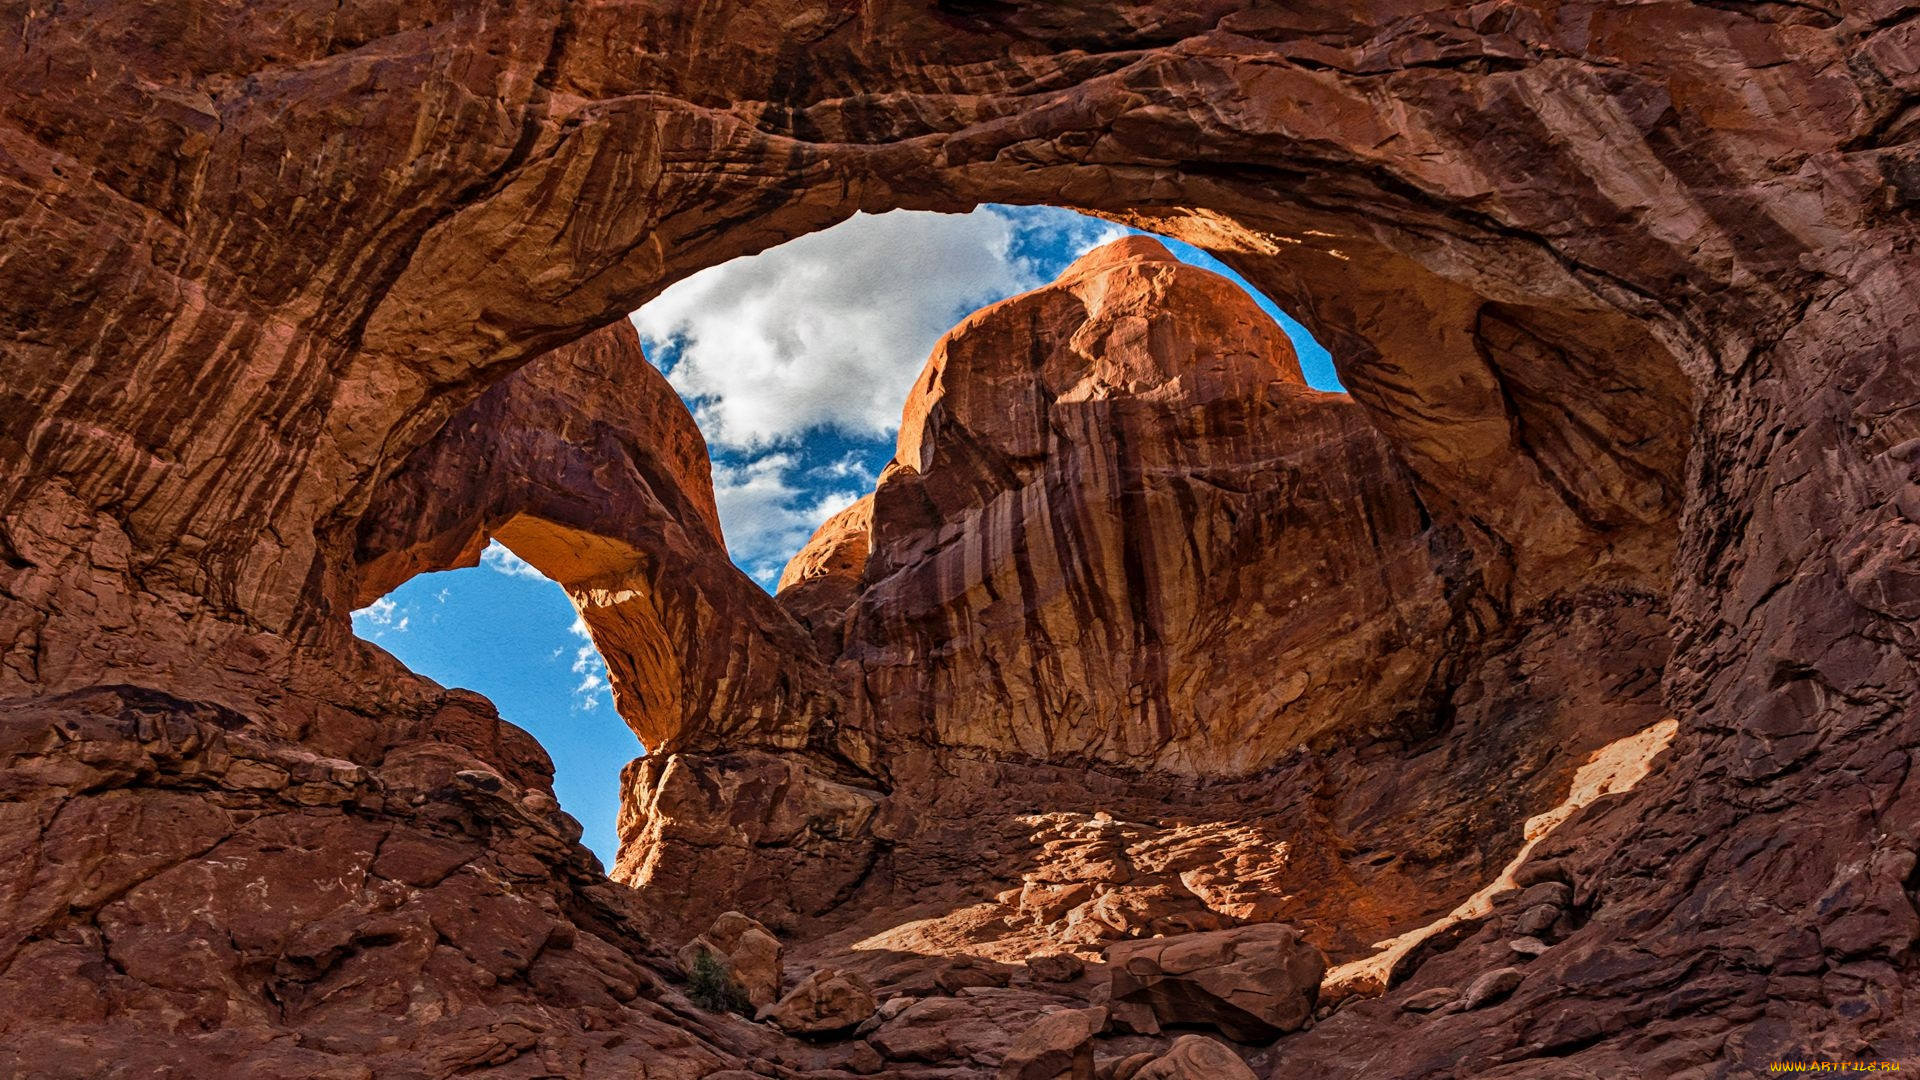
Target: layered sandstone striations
1124	548
1627	289
1120	528
179	859
586	464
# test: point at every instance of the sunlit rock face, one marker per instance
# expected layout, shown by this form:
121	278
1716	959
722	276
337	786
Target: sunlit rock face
1120	528
1625	289
1123	548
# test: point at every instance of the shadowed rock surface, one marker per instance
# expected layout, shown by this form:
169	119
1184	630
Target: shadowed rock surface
1254	983
1624	293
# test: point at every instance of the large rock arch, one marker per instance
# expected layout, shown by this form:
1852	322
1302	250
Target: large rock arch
258	256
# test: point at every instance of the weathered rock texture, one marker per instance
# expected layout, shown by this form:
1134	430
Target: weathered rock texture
1120	528
1253	983
587	465
826	1001
745	951
1628	291
1121	534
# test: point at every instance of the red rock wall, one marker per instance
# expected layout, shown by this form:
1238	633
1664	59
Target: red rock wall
1120	528
1123	547
1627	288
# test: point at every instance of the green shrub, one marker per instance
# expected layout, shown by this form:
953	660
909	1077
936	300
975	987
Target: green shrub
712	987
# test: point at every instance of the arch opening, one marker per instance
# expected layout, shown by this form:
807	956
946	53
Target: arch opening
264	260
1014	250
510	633
797	361
739	693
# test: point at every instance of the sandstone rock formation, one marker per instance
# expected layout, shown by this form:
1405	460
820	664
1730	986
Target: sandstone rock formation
821	581
1058	1045
1104	495
747	952
587	466
975	1032
1194	1057
1625	293
1253	983
825	1002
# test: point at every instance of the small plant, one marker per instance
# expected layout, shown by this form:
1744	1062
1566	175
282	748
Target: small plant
712	987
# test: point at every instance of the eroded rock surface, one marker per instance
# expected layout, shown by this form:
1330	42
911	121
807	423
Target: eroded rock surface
586	465
1194	1057
746	952
827	1001
1120	528
1058	1045
173	860
1252	984
1625	290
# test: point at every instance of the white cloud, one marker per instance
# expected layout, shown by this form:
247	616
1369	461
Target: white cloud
851	467
382	616
378	613
830	329
766	515
1075	234
593	687
826	506
496	557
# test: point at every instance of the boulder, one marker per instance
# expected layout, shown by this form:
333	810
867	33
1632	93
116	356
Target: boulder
1492	987
748	952
1528	946
1058	1046
1196	1057
1555	893
1537	920
981	1027
825	1002
1252	983
1056	967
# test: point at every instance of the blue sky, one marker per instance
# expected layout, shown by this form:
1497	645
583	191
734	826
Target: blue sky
796	363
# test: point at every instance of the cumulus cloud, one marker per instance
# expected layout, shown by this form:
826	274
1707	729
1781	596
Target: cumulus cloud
592	688
767	513
830	329
382	616
852	467
1039	228
497	558
827	332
